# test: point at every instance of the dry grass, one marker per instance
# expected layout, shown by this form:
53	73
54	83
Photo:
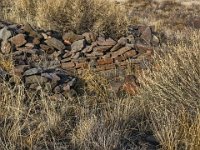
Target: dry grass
167	105
100	16
172	96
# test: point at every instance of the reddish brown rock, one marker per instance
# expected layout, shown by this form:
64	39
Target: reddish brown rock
18	40
36	41
116	47
19	70
107	42
123	63
105	67
122	41
130	85
47	49
120	52
130	54
68	65
147	35
107	55
105	61
102	48
30	45
143	48
95	54
119	59
68	59
82	65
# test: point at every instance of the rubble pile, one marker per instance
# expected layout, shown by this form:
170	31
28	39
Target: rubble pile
48	58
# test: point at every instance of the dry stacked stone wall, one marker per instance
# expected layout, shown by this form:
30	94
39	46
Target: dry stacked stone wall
48	58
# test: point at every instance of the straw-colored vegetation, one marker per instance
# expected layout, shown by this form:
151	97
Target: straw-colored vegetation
167	105
77	15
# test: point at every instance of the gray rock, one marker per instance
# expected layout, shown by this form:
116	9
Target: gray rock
72	37
57	89
151	139
89	37
131	39
3	73
52	76
19	69
35	79
78	45
5	34
147	35
67	54
72	82
32	71
155	40
13	26
122	41
6	47
77	55
29	45
34	86
107	42
27	50
66	59
53	42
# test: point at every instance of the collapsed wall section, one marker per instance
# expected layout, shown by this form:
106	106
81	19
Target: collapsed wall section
41	57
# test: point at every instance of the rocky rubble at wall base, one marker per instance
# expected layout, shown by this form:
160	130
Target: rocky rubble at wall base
47	59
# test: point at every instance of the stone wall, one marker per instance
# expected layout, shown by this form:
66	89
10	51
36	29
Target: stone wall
42	57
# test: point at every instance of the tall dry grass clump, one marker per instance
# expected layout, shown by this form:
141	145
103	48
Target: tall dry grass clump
172	95
101	16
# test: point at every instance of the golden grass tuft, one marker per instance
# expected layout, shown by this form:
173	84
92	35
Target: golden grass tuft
6	63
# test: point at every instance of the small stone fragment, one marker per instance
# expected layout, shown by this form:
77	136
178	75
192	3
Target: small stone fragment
32	71
5	34
78	45
53	42
35	79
